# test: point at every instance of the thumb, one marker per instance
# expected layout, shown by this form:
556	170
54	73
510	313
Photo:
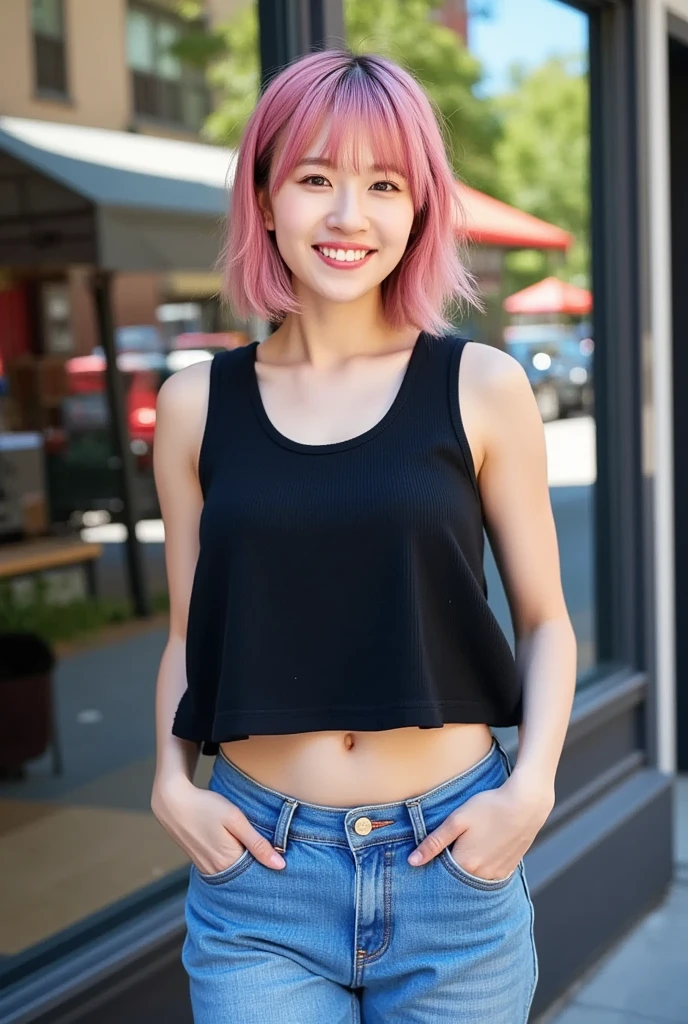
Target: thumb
261	848
437	840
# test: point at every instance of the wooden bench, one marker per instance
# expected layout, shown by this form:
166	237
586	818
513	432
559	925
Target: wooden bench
27	557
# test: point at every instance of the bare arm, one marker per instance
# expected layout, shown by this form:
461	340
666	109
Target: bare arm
520	525
496	827
207	826
177	439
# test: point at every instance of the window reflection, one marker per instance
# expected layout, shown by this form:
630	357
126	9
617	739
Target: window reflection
76	832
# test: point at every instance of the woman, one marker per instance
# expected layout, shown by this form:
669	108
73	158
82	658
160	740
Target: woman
358	855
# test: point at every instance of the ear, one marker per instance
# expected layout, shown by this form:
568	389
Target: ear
265	209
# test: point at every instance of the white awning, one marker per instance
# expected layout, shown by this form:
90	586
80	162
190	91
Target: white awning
121	200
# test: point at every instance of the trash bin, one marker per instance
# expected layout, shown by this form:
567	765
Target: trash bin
27	719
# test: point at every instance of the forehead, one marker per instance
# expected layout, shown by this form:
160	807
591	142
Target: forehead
358	148
349	148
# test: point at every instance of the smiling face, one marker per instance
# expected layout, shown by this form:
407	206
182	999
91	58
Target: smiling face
340	228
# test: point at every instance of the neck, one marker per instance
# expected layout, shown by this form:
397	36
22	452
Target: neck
326	333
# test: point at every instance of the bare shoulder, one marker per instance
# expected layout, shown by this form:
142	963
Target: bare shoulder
492	371
495	395
182	406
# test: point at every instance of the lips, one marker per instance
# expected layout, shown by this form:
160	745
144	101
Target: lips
343	257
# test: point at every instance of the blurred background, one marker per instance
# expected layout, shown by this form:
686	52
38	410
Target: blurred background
119	122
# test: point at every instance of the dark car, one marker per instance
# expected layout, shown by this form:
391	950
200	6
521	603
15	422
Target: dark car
559	368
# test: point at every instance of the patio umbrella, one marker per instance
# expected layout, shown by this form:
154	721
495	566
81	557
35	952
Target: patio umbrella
550	296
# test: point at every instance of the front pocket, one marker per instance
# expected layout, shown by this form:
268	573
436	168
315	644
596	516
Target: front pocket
219	877
474	881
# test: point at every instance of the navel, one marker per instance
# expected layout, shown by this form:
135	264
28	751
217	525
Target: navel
349	741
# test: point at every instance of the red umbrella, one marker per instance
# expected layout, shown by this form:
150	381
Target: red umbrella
550	296
492	222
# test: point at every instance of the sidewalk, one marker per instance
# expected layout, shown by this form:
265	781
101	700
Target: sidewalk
644	979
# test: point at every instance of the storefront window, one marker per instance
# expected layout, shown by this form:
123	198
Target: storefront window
77	837
77	741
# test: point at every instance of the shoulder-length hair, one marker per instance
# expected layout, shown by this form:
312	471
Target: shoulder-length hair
365	97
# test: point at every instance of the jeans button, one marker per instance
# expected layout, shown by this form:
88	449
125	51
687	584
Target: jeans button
362	826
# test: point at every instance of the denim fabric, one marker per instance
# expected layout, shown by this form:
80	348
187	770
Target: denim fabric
349	931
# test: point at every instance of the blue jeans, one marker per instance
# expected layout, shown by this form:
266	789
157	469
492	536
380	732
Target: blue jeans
348	931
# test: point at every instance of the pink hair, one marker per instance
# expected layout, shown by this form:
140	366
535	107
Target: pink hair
366	96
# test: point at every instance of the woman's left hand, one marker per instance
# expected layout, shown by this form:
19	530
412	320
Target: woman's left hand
492	830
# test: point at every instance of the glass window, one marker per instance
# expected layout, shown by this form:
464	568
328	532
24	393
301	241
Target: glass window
168	66
77	836
46	18
47	22
163	87
140	41
77	743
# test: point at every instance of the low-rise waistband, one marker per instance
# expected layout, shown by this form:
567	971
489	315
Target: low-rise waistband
362	825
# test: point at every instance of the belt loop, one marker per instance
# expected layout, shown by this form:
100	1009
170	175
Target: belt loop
505	756
283	823
417	820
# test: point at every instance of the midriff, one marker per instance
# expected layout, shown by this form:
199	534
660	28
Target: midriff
347	769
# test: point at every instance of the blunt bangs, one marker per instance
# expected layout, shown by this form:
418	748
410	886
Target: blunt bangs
358	116
365	99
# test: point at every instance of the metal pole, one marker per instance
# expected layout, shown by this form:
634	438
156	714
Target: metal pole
290	28
136	579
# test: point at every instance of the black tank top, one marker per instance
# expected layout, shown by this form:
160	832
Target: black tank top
341	586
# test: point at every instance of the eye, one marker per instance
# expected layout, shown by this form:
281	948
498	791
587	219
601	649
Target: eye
311	178
315	179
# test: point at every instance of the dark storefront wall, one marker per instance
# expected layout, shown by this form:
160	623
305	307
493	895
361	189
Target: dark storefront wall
678	154
604	856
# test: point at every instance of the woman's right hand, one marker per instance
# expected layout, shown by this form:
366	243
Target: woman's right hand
208	827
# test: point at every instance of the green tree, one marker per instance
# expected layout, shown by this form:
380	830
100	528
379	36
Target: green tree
401	29
542	160
229	53
405	31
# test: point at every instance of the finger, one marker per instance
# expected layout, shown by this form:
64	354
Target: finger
435	842
242	829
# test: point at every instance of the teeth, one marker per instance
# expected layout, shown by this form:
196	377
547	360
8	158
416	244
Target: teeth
344	255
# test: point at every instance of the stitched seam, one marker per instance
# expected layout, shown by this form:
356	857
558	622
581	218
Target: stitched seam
473	883
387	899
221	877
532	944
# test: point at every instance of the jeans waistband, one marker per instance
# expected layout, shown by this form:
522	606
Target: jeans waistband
362	825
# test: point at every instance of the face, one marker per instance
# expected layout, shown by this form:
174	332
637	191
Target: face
340	233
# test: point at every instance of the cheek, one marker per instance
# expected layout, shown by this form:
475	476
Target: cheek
397	228
293	217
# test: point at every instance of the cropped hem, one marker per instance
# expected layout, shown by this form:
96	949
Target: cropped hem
240	724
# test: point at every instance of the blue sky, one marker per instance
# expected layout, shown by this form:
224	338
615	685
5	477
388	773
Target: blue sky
527	31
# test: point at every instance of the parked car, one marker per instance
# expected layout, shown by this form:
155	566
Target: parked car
81	464
559	367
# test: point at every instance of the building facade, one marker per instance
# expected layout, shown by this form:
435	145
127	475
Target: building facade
100	65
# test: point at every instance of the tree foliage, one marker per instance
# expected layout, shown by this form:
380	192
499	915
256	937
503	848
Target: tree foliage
543	153
406	31
401	29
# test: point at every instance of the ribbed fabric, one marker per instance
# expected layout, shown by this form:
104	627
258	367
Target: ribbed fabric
341	586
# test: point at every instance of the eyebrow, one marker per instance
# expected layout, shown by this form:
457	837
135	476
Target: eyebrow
321	161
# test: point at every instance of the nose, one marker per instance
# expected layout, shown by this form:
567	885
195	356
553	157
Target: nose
347	213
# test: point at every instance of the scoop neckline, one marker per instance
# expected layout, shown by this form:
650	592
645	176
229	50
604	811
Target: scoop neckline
350	442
